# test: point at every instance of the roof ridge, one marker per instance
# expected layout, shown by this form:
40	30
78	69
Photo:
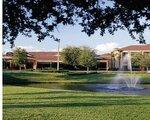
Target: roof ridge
137	47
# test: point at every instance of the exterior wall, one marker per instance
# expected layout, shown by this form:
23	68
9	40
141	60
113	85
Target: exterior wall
125	62
32	65
104	64
35	65
117	64
127	66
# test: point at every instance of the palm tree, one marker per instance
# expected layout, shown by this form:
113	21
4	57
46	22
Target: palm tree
116	57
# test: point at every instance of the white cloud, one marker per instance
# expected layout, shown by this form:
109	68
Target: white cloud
33	49
29	48
105	48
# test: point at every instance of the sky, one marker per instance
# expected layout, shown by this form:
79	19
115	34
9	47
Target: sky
72	36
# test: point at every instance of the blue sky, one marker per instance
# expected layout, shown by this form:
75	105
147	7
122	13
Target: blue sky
72	36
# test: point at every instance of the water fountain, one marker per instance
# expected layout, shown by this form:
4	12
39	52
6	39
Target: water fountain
122	81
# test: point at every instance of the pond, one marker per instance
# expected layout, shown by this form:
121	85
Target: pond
143	89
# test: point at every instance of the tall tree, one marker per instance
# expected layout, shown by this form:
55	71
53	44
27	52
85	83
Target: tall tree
116	57
142	60
43	16
19	57
146	60
87	58
70	55
136	59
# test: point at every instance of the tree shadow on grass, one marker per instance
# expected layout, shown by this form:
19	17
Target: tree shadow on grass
43	93
92	103
64	99
9	79
21	78
14	78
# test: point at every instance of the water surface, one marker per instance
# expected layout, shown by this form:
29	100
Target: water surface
143	89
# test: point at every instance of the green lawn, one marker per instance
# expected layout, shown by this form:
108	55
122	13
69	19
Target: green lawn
26	77
40	103
27	103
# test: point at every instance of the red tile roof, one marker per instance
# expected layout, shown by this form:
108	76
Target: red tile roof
44	56
106	56
39	56
8	56
136	47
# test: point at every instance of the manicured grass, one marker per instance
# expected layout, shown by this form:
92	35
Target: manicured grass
27	103
27	77
21	103
54	77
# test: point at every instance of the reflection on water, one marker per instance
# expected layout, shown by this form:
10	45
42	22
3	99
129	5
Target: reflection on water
144	90
62	86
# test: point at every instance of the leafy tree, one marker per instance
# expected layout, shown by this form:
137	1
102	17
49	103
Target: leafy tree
70	55
146	60
137	59
142	60
43	16
19	57
87	58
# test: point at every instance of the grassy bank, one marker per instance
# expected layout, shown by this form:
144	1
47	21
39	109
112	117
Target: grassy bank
40	103
54	77
27	77
20	103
